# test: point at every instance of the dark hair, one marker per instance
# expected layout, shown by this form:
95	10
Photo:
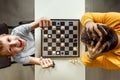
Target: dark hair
110	37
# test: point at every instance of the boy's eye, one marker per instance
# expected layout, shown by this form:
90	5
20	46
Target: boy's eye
8	40
10	49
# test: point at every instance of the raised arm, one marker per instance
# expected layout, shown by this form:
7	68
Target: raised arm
42	23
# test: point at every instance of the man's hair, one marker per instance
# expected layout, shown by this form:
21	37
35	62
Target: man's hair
110	37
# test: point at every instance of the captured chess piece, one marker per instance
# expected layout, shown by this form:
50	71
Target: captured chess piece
53	65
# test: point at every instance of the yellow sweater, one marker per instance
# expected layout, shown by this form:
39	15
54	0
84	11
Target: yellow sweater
110	60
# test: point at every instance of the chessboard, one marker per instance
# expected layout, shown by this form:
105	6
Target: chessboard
62	39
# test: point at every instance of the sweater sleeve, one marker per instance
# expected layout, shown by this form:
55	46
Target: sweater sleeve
108	61
95	17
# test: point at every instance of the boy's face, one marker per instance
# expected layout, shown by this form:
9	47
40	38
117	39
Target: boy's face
12	45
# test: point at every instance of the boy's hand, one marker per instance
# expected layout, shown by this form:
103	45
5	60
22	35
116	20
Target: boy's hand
44	22
46	62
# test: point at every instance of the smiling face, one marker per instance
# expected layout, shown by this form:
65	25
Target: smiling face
11	45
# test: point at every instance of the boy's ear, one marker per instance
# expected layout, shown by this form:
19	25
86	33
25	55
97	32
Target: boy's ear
9	56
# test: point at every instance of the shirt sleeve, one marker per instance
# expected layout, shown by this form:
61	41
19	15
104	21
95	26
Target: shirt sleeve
24	29
22	60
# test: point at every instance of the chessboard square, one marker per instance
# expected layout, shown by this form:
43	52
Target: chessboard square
45	36
71	44
62	27
66	40
66	44
66	52
53	44
75	40
66	35
74	44
53	40
62	48
70	23
75	31
58	27
58	53
66	27
49	52
57	35
49	35
70	35
74	52
49	39
62	31
45	31
49	48
53	31
62	40
62	52
57	48
58	32
74	27
70	27
49	31
62	44
70	39
54	36
53	23
45	40
53	48
70	31
62	36
45	48
75	35
50	27
49	44
53	27
75	48
45	44
57	44
70	48
62	23
66	48
58	40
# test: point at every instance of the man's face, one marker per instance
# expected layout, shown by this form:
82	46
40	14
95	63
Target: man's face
12	45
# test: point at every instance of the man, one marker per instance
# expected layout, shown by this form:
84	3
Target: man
101	35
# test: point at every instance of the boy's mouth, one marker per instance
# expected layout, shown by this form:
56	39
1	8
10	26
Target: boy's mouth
21	43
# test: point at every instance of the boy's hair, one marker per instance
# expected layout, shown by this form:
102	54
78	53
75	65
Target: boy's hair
2	45
110	37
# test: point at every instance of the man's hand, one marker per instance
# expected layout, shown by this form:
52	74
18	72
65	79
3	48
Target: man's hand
95	51
95	34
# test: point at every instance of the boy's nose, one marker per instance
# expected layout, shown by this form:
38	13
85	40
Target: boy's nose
13	43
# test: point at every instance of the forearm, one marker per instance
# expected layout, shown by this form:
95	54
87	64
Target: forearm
34	60
42	23
93	17
34	24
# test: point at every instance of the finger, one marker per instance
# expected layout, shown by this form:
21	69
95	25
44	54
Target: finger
102	30
45	64
97	45
103	47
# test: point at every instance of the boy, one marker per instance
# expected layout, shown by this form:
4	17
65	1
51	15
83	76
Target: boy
20	44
